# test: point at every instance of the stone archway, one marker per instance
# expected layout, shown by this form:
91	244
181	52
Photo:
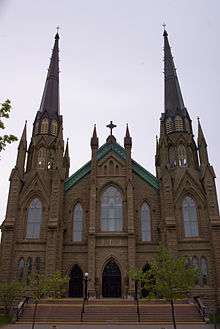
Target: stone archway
76	282
111	280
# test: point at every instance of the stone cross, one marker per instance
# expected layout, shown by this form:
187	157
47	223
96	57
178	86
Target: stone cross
111	126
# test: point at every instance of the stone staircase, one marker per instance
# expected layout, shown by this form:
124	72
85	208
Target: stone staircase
110	311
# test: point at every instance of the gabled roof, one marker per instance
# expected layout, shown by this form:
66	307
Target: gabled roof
101	153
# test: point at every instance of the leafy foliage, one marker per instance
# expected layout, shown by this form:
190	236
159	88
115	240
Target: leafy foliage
5	109
9	293
57	285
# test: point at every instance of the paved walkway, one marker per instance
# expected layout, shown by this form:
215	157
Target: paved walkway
111	326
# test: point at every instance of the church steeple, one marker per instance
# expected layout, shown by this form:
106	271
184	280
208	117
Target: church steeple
50	102
173	99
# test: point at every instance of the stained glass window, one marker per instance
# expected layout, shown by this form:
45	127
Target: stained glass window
77	222
34	219
190	217
145	223
111	210
21	268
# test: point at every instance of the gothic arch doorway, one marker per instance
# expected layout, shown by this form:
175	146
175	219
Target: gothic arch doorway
76	282
111	280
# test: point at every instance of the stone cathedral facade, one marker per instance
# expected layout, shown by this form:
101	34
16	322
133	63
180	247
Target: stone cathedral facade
109	216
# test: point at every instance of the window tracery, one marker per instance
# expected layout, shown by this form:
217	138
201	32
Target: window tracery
178	123
34	219
44	126
145	222
54	127
190	217
169	125
77	222
41	158
111	210
182	157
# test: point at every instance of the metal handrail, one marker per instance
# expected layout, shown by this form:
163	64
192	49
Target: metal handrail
202	308
20	308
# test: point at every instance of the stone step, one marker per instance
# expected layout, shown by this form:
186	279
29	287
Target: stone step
69	311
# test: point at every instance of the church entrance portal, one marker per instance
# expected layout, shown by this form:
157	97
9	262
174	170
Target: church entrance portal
76	282
111	280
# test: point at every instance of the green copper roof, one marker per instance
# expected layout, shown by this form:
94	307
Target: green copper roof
120	151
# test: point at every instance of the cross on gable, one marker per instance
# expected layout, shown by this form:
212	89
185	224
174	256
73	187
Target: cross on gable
111	126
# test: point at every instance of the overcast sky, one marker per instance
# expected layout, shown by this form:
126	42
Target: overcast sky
111	62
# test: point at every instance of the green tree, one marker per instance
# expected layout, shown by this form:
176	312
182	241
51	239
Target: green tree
5	109
168	278
57	285
10	292
40	286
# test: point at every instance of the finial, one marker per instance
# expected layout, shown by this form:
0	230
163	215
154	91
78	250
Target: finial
198	118
165	34
111	126
57	34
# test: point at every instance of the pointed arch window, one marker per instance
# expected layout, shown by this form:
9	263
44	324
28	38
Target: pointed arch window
190	217
195	264
182	158
204	270
145	222
44	126
34	219
41	158
54	127
77	222
29	265
111	210
178	123
38	265
169	125
21	269
172	157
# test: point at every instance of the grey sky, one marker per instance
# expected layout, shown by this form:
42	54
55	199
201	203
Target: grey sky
111	69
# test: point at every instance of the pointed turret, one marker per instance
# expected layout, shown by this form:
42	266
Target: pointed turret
127	139
202	146
22	149
50	102
94	140
173	100
66	159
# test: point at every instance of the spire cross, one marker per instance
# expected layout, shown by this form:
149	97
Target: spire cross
57	29
164	26
111	126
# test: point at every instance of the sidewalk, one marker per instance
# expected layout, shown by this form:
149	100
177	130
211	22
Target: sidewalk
111	326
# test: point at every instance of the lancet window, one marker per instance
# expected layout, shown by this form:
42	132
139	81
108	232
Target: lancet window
111	210
77	222
145	222
34	219
190	217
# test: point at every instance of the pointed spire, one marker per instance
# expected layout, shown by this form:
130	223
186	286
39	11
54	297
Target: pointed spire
173	101
202	146
94	140
22	149
23	140
66	154
201	137
50	102
127	139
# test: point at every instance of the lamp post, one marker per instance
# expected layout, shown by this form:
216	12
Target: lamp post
136	298
85	293
86	286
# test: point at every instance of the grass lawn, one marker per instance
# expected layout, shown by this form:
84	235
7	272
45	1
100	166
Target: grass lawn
4	319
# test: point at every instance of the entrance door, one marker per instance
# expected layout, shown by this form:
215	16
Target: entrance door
76	282
111	280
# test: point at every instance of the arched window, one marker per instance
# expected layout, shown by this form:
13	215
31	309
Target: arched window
38	265
195	264
54	127
44	126
190	217
77	222
172	157
169	125
34	219
41	158
21	269
182	158
178	123
111	210
204	270
145	223
29	265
